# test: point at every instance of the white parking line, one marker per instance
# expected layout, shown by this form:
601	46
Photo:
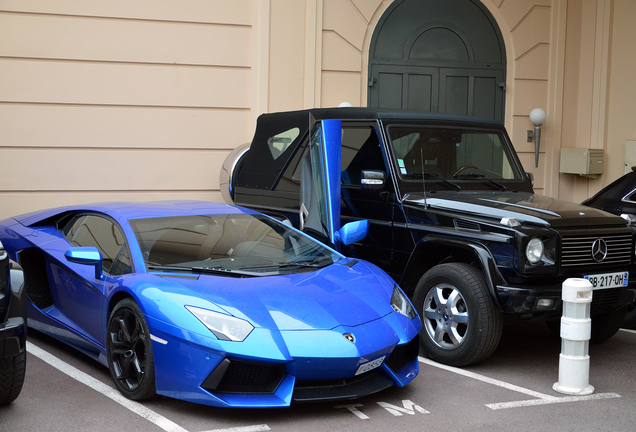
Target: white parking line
487	380
535	402
543	399
113	394
102	388
629	331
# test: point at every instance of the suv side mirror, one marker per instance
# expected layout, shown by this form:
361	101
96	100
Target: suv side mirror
372	179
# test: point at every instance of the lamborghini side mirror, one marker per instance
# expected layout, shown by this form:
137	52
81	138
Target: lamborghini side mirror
86	256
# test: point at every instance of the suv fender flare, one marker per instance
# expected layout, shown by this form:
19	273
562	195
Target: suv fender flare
432	250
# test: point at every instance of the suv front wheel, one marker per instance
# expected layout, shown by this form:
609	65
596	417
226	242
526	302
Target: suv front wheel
460	323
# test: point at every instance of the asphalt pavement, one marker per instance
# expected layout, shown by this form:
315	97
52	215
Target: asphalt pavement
67	391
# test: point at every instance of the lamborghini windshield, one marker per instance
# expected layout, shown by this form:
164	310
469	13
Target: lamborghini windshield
227	244
451	156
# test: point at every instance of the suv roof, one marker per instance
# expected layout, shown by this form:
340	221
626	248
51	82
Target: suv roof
356	113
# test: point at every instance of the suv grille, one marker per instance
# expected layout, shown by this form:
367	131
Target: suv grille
577	251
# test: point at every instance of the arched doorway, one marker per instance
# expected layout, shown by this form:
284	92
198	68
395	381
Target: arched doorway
441	56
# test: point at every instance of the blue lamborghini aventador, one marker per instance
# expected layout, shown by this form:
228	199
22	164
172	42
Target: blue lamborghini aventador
212	303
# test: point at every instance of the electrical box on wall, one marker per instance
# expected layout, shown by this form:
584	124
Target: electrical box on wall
585	162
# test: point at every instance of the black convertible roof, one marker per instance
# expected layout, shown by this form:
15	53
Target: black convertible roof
260	170
354	113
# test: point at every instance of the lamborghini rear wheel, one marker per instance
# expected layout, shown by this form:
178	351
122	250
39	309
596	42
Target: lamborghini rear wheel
129	351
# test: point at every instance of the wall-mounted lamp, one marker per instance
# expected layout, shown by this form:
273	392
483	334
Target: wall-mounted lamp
537	117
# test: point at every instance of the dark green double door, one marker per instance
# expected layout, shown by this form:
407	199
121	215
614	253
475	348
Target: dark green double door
441	56
445	90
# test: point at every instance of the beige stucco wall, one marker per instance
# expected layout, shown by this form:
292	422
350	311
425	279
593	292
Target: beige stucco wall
621	112
142	100
120	100
585	98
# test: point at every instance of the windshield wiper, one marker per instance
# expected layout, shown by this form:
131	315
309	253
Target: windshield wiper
438	177
279	266
210	270
481	177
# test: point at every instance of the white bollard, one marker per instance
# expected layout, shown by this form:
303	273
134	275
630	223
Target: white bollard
576	329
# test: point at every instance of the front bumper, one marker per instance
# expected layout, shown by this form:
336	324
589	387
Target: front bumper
301	366
523	300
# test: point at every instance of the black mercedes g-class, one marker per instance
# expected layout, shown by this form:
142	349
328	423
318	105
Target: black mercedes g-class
12	329
447	210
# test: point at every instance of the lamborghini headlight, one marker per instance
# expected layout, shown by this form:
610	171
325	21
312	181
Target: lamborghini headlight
534	250
224	327
401	304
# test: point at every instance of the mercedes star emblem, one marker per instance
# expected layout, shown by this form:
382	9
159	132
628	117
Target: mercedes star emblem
599	250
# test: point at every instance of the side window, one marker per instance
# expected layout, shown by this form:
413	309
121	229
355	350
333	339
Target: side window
278	144
106	236
360	151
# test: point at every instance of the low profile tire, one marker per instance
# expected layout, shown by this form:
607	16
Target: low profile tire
460	323
129	351
11	377
605	325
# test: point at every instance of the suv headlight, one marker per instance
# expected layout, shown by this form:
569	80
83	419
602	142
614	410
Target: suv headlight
401	304
224	327
534	250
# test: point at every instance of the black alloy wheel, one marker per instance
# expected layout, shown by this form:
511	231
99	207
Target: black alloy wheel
129	351
460	323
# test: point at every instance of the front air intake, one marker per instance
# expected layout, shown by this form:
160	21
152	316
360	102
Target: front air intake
237	376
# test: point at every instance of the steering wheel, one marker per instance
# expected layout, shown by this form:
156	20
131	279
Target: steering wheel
465	167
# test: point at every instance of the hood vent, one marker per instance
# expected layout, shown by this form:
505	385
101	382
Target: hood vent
462	225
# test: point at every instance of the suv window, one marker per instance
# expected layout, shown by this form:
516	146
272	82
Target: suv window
106	236
360	151
451	153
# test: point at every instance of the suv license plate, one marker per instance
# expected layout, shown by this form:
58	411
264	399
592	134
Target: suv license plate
366	367
608	280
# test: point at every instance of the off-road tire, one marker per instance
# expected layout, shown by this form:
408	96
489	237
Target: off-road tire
605	325
460	323
630	317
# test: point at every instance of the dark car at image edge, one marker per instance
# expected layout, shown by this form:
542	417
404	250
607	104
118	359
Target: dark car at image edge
12	329
452	216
